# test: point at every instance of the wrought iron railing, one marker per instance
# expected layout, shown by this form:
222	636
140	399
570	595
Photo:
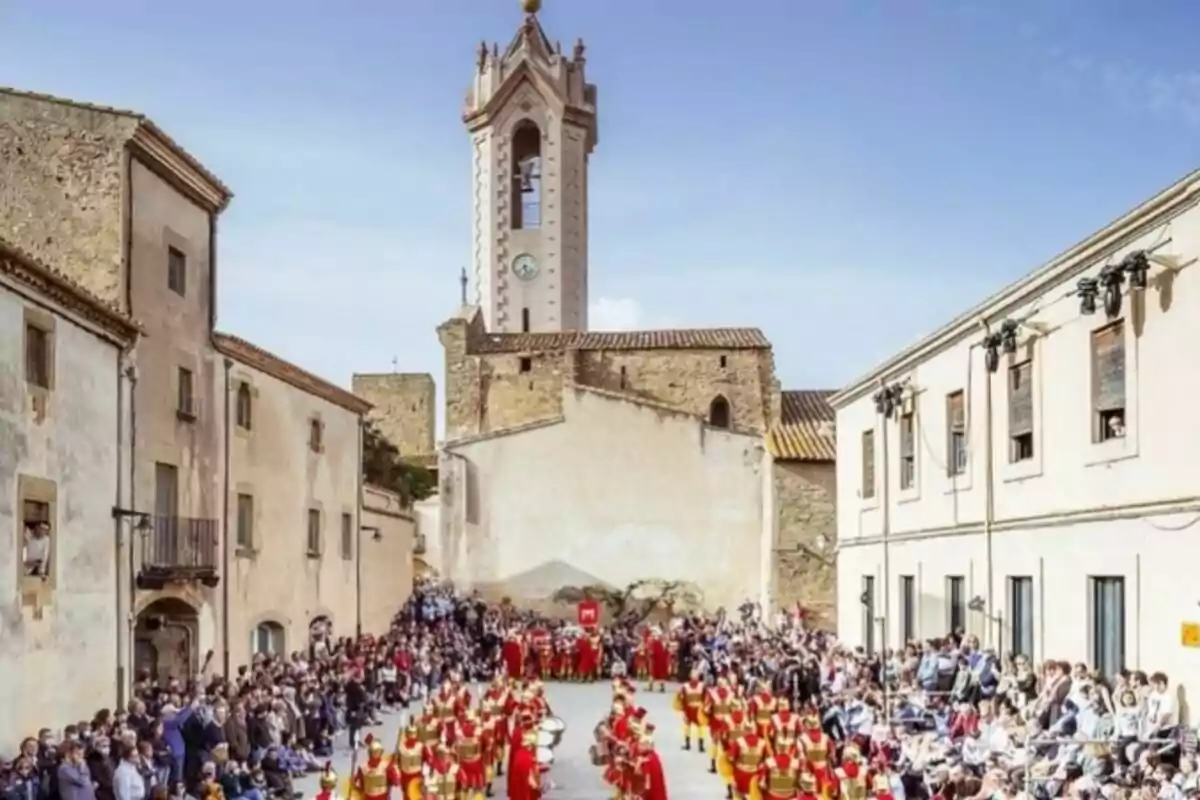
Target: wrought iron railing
181	546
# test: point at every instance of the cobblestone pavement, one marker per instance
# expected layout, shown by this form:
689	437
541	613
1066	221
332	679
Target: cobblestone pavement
580	706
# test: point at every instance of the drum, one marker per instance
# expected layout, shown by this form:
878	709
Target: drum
546	739
554	727
545	758
599	754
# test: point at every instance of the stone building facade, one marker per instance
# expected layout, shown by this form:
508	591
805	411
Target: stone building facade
109	200
404	409
64	424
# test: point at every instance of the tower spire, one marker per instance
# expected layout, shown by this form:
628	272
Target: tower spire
462	285
531	6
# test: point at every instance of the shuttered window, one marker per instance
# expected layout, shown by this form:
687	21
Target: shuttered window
1108	382
908	452
956	434
1020	411
868	464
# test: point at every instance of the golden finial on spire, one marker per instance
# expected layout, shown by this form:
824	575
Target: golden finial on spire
531	6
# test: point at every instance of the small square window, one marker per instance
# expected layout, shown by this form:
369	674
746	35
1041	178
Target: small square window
39	356
176	271
526	364
313	541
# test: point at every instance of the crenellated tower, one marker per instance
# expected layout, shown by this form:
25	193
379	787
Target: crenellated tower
531	115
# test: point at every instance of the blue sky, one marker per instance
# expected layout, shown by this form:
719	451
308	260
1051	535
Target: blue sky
844	174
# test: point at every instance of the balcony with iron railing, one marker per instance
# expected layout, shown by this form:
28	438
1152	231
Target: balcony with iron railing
178	550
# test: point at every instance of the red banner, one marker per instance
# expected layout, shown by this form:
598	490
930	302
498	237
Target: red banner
588	613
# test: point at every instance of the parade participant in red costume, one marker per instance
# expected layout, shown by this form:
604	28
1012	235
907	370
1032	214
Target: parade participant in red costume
785	728
374	780
746	755
808	787
525	774
513	653
641	658
718	702
501	699
816	748
329	782
660	663
462	694
779	776
445	776
429	727
738	724
649	768
672	657
411	757
541	705
589	651
762	708
525	725
853	778
881	787
689	701
467	742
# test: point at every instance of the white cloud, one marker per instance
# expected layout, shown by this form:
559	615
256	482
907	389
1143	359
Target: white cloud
615	314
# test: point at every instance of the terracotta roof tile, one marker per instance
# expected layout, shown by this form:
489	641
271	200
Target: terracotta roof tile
805	430
289	373
677	339
52	284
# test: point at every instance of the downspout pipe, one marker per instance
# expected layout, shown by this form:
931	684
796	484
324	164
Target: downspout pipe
225	549
989	491
122	628
885	533
358	539
131	621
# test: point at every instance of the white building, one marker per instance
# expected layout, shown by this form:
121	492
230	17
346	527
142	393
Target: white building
64	427
1060	492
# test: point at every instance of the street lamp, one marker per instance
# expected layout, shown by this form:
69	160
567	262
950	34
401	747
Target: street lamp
979	606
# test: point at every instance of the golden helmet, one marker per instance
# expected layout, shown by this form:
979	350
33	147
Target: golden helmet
808	783
374	746
329	778
812	722
784	704
529	739
851	753
882	783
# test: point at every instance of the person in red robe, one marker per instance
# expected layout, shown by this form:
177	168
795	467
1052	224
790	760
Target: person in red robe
654	779
525	774
513	653
660	663
524	727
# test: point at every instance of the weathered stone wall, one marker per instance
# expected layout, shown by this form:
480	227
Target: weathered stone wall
805	498
387	557
404	410
61	178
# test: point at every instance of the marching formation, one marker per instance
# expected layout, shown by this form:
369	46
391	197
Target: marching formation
763	750
455	749
624	748
578	654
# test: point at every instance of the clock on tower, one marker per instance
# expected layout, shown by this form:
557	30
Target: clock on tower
531	115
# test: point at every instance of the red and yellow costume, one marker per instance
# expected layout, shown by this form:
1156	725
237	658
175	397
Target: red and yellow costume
514	656
762	708
808	787
738	724
853	778
329	781
445	776
785	728
690	701
647	780
718	703
503	706
816	748
881	787
429	729
374	780
525	775
588	657
641	660
779	776
747	754
411	757
466	742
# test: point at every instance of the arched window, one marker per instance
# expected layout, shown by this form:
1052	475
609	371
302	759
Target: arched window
245	412
718	412
526	176
268	639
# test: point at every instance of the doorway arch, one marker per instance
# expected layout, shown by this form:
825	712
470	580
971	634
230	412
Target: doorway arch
166	640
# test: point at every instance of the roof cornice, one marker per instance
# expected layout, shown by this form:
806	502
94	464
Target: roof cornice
163	155
1165	205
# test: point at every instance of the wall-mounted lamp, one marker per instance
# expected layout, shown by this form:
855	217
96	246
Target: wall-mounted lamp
142	526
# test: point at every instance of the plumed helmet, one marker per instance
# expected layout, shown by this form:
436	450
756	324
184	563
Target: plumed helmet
329	778
374	746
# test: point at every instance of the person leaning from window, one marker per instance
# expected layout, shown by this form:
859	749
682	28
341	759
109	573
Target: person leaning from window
37	550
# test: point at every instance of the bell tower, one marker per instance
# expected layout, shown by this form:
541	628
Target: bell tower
531	115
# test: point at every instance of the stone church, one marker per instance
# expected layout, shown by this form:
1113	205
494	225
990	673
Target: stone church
573	456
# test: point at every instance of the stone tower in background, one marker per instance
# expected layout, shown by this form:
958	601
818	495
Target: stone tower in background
405	411
531	115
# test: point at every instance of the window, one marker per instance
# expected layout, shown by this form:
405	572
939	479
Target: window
908	609
526	175
1108	382
868	613
524	320
623	383
724	362
166	490
868	464
39	357
526	364
956	434
314	533
1020	412
176	271
185	404
1107	634
267	639
908	451
347	536
36	547
1020	615
245	406
956	603
718	412
245	521
316	435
